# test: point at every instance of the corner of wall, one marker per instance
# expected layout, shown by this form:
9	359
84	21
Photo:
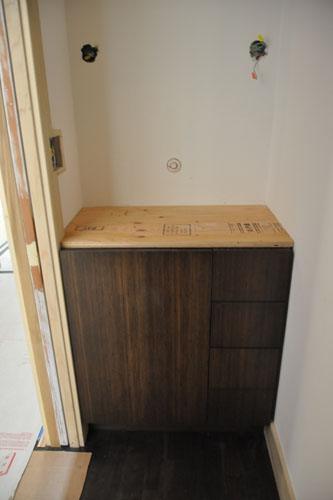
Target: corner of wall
58	72
282	71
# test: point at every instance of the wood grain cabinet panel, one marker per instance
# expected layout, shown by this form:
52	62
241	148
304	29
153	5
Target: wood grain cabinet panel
251	275
248	324
139	323
242	386
243	368
238	409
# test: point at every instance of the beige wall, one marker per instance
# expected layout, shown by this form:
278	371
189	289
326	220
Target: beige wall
300	192
58	72
172	79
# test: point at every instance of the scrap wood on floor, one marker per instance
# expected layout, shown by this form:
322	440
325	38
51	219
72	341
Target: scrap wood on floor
54	475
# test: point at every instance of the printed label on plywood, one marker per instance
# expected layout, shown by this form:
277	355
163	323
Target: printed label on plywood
255	227
177	229
89	228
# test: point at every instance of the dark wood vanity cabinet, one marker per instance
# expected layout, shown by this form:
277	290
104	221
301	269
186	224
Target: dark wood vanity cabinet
177	338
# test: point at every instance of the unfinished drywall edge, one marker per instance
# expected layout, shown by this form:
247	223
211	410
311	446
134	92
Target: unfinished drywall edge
279	464
58	73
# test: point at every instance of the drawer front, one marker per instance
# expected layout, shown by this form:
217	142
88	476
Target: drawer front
236	408
252	274
248	324
243	368
242	387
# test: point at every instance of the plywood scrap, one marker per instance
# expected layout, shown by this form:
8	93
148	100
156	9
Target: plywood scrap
54	475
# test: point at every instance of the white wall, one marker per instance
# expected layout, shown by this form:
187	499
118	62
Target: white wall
300	192
172	79
58	72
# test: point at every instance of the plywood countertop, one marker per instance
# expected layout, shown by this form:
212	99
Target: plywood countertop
176	227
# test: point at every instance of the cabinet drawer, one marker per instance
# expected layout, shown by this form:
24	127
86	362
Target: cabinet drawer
248	324
251	275
236	408
243	368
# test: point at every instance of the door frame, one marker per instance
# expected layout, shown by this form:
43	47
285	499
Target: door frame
20	262
33	115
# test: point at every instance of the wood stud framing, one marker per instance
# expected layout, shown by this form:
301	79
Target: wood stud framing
22	19
21	266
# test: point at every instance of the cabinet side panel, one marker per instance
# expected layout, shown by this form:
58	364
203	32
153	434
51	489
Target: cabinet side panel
139	323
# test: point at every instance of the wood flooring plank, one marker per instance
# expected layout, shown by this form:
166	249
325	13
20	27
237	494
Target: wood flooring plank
211	471
178	466
233	479
109	453
153	476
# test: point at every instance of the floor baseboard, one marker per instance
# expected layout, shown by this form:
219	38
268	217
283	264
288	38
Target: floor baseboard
279	465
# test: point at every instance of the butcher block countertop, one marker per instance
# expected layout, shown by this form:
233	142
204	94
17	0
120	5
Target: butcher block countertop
176	227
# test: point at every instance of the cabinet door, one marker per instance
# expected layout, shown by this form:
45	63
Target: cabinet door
139	323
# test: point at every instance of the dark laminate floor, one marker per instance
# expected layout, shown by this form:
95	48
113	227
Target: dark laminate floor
178	466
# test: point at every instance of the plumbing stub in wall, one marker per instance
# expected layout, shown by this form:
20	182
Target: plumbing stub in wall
89	52
174	165
257	51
